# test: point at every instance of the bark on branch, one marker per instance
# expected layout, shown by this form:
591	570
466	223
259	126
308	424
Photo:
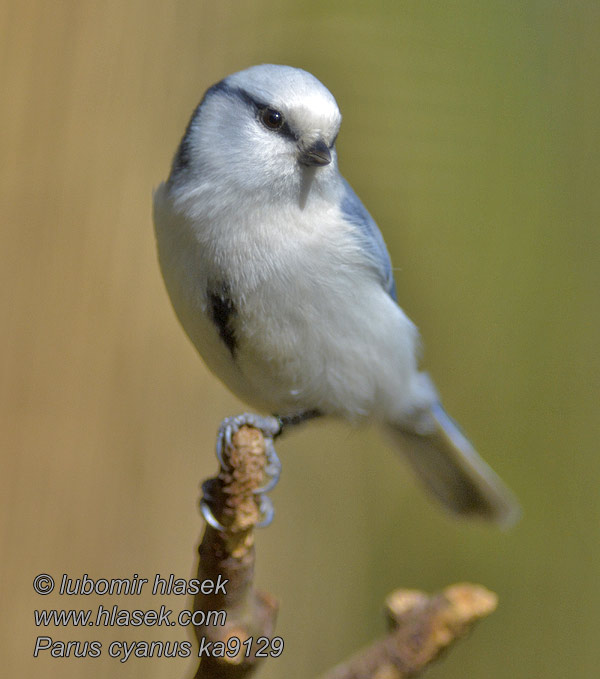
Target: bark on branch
229	553
421	626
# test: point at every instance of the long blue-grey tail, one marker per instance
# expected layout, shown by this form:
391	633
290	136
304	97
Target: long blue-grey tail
448	465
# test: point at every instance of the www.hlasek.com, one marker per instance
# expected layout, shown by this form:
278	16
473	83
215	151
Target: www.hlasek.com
115	616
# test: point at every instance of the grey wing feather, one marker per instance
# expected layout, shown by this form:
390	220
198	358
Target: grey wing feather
451	469
356	213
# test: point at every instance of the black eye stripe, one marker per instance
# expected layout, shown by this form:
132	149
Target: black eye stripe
259	107
224	88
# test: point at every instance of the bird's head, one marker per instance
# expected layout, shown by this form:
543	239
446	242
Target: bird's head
263	130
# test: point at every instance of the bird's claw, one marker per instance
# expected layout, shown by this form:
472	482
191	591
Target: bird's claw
270	428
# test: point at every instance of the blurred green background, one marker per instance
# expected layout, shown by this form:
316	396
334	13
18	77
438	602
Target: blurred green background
471	133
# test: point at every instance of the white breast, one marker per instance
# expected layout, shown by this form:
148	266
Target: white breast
314	327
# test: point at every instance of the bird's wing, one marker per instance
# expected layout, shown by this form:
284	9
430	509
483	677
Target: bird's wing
371	239
451	469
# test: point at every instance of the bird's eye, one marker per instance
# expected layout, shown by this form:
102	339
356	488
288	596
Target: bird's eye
271	118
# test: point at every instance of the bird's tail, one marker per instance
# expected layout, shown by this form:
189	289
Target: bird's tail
451	469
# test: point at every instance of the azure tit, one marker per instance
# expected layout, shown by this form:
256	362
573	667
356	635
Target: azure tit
282	280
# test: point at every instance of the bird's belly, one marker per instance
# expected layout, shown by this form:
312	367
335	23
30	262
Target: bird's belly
311	332
345	352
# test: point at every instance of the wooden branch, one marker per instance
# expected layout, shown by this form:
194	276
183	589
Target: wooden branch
229	554
422	626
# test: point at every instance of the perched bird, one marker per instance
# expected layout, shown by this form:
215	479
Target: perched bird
283	282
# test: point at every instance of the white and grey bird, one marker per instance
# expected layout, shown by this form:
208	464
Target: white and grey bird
283	282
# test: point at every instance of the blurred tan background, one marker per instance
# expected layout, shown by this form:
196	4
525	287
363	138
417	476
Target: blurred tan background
471	133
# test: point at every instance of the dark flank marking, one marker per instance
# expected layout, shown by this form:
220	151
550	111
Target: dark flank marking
222	311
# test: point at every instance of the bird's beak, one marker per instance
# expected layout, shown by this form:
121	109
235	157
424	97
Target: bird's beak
317	154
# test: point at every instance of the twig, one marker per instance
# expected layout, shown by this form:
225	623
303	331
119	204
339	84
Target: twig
422	626
229	554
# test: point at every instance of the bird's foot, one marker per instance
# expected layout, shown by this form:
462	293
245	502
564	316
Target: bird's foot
269	427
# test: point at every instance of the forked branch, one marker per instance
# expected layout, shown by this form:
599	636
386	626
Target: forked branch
421	626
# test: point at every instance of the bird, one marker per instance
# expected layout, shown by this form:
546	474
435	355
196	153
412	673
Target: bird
283	282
